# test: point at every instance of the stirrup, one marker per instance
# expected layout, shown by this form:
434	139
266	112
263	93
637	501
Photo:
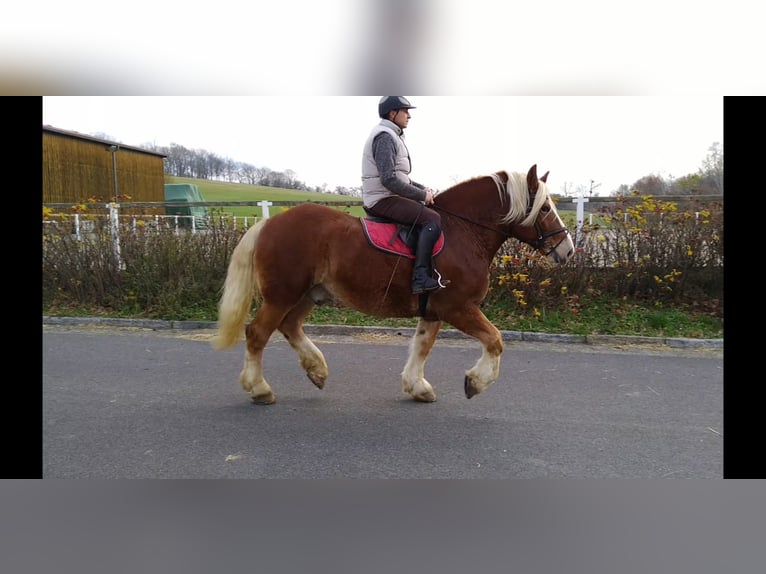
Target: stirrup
442	282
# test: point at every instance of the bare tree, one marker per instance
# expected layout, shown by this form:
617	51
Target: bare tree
567	188
651	185
622	190
248	174
712	168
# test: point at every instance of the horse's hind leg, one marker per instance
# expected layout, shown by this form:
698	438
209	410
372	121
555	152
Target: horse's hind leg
414	382
257	334
311	358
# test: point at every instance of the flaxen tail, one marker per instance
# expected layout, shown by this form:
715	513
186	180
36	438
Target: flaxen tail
238	291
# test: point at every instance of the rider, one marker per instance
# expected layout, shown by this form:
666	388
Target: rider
389	193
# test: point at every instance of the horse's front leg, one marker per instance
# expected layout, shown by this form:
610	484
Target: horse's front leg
414	382
487	369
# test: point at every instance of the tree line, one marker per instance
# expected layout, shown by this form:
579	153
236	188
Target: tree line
202	164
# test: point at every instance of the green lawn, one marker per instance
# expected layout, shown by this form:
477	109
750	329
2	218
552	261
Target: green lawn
215	191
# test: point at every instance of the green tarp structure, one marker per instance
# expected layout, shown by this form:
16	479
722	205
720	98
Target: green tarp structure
189	193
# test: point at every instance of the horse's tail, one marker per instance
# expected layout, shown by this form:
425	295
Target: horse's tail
239	289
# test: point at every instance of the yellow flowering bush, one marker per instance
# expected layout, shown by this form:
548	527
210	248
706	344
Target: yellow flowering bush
643	248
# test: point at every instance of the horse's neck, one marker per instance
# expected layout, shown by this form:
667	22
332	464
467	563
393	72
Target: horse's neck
484	237
475	222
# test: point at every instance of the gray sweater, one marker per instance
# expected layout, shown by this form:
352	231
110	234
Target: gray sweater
386	166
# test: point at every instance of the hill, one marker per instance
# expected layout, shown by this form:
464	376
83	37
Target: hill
214	191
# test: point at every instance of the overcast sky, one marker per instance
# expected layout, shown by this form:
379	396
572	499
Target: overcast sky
611	140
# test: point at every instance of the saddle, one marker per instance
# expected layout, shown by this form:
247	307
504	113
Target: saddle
395	238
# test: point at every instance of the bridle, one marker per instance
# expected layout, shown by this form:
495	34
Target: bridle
538	243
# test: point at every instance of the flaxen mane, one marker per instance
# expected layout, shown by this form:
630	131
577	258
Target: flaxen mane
517	194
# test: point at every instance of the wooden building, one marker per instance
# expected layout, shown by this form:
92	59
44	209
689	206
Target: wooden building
79	169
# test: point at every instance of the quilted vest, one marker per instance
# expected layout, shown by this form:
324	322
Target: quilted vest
372	188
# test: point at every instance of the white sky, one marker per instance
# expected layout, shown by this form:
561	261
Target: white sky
611	140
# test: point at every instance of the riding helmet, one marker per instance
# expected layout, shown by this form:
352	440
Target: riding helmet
391	103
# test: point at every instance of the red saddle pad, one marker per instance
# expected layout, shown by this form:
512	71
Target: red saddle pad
385	236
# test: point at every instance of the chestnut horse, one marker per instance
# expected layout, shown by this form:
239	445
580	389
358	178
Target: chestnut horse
312	254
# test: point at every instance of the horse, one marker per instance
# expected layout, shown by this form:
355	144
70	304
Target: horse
312	254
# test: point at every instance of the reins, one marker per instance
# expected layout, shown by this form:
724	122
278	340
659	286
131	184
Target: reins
476	223
537	243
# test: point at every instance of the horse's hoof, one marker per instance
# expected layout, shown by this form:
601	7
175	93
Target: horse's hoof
428	397
317	380
268	399
470	388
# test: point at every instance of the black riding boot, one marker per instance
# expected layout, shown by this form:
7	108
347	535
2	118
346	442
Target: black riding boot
421	274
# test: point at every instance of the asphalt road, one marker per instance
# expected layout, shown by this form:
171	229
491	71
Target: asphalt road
137	403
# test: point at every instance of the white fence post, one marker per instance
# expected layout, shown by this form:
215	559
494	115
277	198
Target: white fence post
77	234
264	205
114	218
580	201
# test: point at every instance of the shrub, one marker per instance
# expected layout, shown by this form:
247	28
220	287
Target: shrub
649	252
160	273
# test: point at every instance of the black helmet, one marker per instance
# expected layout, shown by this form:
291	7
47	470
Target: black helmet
391	103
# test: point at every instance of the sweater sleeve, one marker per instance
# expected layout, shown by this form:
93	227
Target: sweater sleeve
384	152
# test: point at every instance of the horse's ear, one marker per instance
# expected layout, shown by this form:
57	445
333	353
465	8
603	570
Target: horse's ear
544	179
532	183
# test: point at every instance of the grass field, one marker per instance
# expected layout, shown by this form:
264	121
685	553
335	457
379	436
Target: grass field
215	191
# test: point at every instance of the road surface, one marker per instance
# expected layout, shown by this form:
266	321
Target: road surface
137	403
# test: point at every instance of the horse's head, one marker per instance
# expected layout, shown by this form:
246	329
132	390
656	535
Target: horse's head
525	211
542	227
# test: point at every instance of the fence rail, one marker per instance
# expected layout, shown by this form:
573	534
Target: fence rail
118	218
564	202
194	222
